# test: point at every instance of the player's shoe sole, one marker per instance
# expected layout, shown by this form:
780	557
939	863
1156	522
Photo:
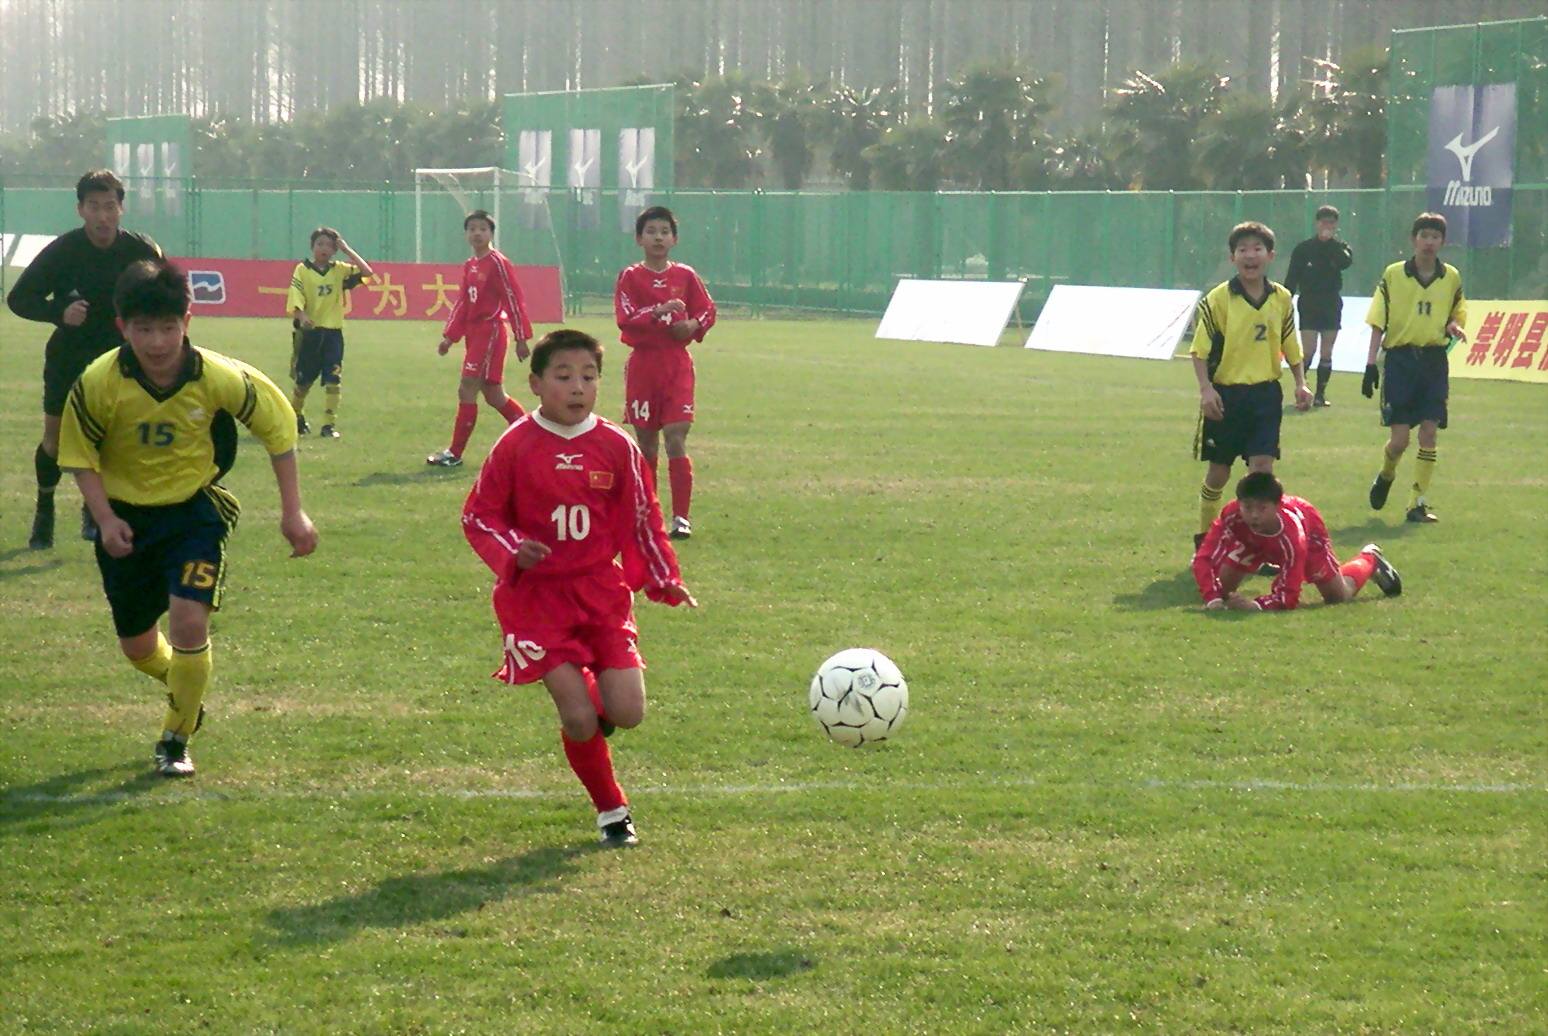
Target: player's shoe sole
1422	515
444	459
682	528
1385	576
620	834
327	431
1380	487
172	759
42	537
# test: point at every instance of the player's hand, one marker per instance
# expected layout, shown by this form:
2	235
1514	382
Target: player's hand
530	553
669	307
1371	382
684	329
75	313
1217	605
1237	603
116	537
522	352
305	322
1303	397
677	593
299	531
1457	331
1212	405
444	347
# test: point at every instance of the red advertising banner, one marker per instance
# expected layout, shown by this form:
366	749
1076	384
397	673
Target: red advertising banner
398	291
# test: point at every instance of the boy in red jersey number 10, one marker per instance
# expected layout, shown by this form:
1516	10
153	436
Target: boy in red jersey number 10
565	516
1265	526
661	306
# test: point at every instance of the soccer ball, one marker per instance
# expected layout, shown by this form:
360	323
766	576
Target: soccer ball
859	697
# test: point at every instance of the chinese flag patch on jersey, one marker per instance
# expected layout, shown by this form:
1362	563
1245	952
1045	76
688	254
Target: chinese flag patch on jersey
601	479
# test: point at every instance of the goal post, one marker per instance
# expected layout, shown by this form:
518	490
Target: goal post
514	199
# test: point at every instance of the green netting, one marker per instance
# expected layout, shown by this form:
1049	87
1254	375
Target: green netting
840	251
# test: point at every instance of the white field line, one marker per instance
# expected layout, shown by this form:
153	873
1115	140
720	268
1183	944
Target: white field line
785	788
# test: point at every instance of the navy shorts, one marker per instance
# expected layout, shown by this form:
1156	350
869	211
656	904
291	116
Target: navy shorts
1250	427
318	353
62	365
1320	312
179	551
1414	385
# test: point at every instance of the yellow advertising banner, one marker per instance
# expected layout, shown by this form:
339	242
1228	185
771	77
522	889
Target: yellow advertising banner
1506	341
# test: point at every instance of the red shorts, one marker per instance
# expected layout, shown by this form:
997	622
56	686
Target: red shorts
1321	562
586	619
484	352
658	388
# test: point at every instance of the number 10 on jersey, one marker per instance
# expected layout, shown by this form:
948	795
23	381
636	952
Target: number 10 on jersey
572	522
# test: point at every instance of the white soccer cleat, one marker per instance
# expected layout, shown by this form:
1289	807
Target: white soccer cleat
172	759
444	459
682	528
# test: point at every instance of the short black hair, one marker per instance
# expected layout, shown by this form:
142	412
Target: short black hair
1327	212
1252	228
96	181
564	340
324	232
654	212
1429	221
151	288
1260	485
478	214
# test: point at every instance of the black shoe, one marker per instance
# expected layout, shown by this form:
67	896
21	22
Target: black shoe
301	426
172	758
1385	575
1266	569
327	431
1380	487
89	530
606	726
1320	402
1198	541
1422	515
619	834
43	523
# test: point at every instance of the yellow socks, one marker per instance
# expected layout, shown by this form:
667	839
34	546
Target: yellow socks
298	398
1209	506
1389	463
1424	470
331	404
187	679
156	664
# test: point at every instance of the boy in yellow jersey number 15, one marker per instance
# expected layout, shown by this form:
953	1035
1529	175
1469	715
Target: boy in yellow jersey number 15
148	431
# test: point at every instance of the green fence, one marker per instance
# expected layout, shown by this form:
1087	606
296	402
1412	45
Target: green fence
841	251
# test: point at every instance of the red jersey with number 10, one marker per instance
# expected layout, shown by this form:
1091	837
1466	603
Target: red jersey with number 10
640	288
580	490
489	293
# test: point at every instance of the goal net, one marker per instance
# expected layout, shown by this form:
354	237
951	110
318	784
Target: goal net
524	225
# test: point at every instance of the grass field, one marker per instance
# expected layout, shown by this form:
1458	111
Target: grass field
1108	812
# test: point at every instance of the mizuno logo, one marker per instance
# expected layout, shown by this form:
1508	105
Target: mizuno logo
1465	154
567	462
659	282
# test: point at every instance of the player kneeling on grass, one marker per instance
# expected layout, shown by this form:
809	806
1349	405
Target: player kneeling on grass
1264	526
567	519
148	432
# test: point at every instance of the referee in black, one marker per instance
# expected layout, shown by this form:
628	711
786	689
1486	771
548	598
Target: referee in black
1316	274
70	285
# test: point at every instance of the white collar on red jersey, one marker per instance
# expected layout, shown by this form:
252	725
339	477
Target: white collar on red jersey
565	431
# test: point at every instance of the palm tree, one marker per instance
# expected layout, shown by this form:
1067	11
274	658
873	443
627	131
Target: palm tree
1159	119
1085	162
718	132
857	118
794	121
994	117
1253	144
911	157
1349	116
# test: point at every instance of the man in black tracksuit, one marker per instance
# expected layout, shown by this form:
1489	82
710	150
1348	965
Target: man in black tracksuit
1317	275
70	285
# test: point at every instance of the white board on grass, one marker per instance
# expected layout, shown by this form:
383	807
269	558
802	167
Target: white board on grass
1354	337
1143	323
21	249
969	312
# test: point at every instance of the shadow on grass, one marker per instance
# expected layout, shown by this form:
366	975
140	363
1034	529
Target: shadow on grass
1177	590
775	964
44	562
64	795
430	473
1374	529
417	898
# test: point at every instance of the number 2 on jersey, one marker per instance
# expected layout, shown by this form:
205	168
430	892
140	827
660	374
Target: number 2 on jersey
572	523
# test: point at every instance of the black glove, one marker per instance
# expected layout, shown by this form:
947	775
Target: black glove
1371	381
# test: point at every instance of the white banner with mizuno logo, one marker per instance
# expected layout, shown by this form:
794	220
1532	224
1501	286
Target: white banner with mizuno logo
1472	161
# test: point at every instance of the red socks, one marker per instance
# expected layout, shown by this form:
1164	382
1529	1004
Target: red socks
680	472
467	417
1359	569
511	410
593	764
